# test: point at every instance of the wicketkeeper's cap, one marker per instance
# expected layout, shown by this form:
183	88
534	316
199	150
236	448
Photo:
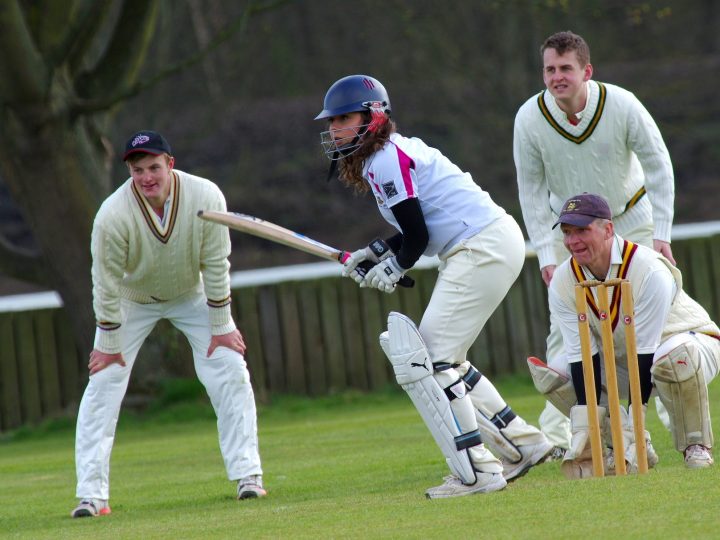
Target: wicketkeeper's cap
581	210
147	142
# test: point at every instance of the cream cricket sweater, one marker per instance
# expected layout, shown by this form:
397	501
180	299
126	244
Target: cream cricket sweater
614	151
137	258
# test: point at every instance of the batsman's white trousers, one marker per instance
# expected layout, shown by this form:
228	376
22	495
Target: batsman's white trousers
224	375
473	278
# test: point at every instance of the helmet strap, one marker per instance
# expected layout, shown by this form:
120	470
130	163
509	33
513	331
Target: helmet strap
333	166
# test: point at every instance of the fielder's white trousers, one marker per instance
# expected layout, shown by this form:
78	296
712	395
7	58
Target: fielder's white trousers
224	375
634	225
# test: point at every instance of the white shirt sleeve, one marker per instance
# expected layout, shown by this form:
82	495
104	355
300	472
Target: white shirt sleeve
652	306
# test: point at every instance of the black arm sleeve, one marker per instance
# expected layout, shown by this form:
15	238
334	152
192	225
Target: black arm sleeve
645	362
411	243
578	379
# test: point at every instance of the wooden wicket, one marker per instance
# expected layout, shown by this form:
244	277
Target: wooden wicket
608	345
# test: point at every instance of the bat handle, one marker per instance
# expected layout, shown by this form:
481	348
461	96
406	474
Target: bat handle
363	267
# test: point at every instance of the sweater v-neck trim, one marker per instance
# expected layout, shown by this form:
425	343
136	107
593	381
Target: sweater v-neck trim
153	221
558	120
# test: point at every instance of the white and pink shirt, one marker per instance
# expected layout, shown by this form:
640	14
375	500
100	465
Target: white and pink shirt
454	206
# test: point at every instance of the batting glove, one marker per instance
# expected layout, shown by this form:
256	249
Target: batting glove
353	267
384	275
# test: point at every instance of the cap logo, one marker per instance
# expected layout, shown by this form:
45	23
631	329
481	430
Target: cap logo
140	139
571	205
368	84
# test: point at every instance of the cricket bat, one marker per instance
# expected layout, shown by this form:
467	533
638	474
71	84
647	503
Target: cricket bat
280	235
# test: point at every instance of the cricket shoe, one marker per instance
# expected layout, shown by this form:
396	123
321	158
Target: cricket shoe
454	487
698	456
250	487
532	454
91	508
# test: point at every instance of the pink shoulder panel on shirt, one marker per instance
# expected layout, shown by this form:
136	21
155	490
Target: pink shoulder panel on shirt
406	163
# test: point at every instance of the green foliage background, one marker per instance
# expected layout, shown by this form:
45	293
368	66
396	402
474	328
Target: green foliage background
456	72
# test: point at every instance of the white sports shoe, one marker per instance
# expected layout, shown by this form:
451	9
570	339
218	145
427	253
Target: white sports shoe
698	456
532	454
453	486
250	487
91	508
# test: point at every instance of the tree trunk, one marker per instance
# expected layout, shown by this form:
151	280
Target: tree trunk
50	167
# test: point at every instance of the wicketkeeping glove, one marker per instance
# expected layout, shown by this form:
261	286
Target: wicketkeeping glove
378	250
384	275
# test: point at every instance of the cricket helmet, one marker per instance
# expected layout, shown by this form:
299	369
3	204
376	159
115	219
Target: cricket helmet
355	93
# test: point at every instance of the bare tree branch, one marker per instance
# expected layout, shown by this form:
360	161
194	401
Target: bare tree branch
75	48
23	75
85	106
63	24
203	35
120	65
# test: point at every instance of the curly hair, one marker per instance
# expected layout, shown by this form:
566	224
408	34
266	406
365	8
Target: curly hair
351	167
563	42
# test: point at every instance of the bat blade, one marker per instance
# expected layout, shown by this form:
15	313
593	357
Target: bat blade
275	233
270	231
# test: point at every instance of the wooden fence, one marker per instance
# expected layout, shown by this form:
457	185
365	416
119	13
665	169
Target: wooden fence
304	336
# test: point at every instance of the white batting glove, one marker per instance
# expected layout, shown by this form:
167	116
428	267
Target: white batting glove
384	275
376	251
355	258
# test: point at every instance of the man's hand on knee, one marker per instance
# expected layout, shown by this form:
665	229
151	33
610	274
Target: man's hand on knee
233	341
100	360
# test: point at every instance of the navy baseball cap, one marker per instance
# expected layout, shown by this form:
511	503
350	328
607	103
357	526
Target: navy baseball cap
581	210
147	142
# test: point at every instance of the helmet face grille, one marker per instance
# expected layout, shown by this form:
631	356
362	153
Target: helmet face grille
336	149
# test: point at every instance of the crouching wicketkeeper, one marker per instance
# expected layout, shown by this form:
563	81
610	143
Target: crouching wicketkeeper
678	344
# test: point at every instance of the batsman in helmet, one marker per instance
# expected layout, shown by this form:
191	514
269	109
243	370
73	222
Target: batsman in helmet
437	209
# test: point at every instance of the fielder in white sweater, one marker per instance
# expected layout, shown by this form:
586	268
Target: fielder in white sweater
139	257
578	136
615	150
154	259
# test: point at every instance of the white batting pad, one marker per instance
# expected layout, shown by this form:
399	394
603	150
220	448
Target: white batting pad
680	383
409	357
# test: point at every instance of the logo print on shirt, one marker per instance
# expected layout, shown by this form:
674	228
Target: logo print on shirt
389	189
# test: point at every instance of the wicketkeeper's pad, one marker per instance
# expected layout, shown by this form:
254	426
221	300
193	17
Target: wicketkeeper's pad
680	383
556	387
409	357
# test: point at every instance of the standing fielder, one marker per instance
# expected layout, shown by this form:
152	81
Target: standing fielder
153	259
582	135
678	345
438	210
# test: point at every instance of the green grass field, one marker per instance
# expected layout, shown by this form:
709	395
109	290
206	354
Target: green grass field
350	466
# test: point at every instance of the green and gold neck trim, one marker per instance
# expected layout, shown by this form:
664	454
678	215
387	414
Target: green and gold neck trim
161	232
579	139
